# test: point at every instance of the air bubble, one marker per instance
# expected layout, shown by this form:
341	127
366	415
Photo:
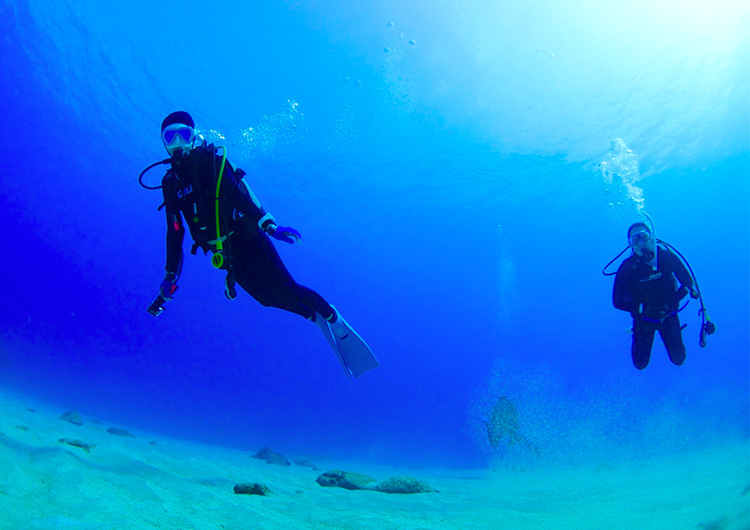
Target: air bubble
345	80
412	42
386	49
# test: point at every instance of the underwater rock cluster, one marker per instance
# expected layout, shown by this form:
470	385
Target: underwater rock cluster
272	457
355	481
117	431
344	479
252	488
71	416
77	443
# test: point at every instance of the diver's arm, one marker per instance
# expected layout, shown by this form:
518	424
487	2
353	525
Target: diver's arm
175	236
242	197
682	275
620	294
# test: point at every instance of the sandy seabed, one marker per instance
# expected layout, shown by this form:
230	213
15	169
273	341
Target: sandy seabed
156	482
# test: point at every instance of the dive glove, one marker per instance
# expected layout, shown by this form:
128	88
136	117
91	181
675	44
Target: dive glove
168	285
285	234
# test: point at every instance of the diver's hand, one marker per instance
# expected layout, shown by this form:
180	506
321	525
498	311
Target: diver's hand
285	234
168	286
664	313
694	294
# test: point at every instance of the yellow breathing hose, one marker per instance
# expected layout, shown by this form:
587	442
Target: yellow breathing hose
217	260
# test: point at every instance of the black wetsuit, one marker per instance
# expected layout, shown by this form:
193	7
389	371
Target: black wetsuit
251	260
653	298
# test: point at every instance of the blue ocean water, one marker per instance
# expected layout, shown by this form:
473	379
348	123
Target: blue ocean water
461	172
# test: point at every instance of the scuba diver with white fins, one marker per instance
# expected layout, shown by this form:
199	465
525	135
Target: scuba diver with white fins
202	190
646	286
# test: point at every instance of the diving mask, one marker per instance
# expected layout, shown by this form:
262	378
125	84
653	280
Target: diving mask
178	137
640	239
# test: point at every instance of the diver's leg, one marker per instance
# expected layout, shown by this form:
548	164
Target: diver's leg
259	270
671	334
643	340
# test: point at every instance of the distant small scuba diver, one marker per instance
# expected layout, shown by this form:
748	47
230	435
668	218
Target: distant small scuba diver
503	424
225	218
646	286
